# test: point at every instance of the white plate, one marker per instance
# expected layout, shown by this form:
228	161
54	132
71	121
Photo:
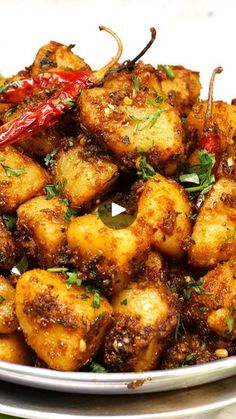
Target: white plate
193	403
118	383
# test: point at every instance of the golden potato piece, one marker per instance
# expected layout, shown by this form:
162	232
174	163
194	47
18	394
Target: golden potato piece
223	118
56	57
128	117
14	349
42	229
64	325
8	319
184	90
144	316
212	306
7	247
20	179
86	176
165	206
214	238
110	253
41	143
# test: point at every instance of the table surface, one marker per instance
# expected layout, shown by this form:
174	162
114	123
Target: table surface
198	34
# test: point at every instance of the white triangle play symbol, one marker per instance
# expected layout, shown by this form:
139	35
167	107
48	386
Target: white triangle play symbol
116	209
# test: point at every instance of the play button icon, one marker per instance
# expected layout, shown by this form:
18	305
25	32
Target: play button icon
115	216
116	209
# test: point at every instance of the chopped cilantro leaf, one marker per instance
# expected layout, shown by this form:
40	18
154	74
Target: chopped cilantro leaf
71	212
49	158
95	367
145	170
73	279
96	299
9	221
14	172
124	302
53	190
1	299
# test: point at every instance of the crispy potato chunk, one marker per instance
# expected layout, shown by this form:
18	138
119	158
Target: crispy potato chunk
165	206
20	179
14	349
223	117
41	143
8	320
191	349
144	316
64	326
214	238
56	57
213	306
127	117
42	229
86	176
184	90
7	247
109	253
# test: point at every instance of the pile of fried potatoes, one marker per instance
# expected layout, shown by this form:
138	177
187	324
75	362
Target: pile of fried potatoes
161	293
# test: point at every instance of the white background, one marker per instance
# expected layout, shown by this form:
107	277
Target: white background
198	34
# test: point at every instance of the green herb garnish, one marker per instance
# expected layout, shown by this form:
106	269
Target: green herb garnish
148	121
189	358
195	285
73	279
71	46
58	269
229	320
145	170
124	302
21	266
1	299
9	221
14	172
169	71
95	367
96	299
69	102
53	190
136	82
71	212
49	158
200	176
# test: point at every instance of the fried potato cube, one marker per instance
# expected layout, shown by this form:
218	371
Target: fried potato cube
214	238
144	316
183	90
42	229
165	206
20	179
212	306
85	176
128	115
64	325
190	349
41	143
56	57
14	349
110	253
223	118
8	319
7	247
